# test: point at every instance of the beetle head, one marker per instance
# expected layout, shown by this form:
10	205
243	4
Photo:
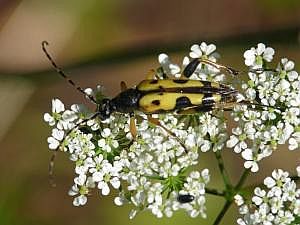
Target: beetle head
105	109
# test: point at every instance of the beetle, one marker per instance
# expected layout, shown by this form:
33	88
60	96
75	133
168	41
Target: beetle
185	198
155	96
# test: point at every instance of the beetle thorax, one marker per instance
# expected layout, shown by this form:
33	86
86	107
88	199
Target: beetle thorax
127	101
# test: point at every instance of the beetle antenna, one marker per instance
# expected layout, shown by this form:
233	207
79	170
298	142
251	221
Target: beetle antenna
61	72
259	70
245	102
53	157
51	169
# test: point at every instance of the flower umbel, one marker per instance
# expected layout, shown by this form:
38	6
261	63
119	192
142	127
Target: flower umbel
151	168
277	204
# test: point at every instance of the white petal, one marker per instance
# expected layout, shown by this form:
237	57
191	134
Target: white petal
289	65
269	182
254	167
101	143
257	200
97	176
58	134
105	189
293	75
106	132
49	119
53	143
260	48
247	154
74	190
57	106
205	146
76	201
162	58
118	201
115	143
232	141
238	199
115	182
80	180
196	51
82	199
268	54
248	164
210	48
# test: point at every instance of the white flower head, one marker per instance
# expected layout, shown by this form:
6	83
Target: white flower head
255	57
57	108
167	65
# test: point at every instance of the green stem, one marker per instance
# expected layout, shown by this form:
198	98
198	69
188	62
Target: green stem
242	180
222	213
229	192
213	191
223	170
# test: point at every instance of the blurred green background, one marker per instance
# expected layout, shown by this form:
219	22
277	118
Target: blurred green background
104	42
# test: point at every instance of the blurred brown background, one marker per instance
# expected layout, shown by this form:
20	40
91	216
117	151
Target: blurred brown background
104	42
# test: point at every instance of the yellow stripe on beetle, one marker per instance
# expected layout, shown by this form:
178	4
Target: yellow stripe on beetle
150	85
164	101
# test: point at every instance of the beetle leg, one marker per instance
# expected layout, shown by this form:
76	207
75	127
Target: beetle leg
226	106
151	75
123	86
157	123
132	126
155	74
192	66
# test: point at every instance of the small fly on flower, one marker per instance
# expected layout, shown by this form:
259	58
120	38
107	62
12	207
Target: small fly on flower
185	198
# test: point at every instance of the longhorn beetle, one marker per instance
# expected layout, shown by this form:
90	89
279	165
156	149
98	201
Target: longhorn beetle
155	96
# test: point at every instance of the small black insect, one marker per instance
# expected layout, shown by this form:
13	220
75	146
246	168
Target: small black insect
187	198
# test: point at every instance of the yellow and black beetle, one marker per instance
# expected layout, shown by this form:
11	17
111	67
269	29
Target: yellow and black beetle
180	96
183	96
152	96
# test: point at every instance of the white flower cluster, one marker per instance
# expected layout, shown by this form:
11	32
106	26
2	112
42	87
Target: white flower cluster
261	129
279	203
156	170
203	71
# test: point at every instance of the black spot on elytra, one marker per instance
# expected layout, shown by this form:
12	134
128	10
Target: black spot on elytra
182	102
178	81
155	102
153	81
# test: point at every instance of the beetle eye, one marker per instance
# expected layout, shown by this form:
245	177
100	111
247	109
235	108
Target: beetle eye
105	109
